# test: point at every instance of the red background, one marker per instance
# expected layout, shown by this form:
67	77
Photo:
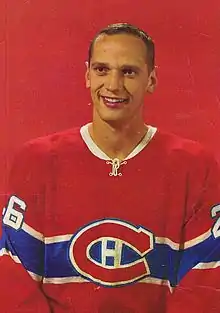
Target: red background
43	49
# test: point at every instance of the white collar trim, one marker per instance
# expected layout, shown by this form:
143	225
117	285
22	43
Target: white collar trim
84	131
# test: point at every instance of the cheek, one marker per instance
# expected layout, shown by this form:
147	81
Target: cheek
135	88
134	85
96	82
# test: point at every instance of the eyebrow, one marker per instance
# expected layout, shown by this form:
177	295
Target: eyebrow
124	66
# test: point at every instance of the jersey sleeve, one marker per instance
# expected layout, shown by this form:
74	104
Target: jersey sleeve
198	273
22	228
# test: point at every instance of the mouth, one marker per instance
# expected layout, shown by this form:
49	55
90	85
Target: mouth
114	102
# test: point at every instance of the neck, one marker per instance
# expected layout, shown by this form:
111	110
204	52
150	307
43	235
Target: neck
117	142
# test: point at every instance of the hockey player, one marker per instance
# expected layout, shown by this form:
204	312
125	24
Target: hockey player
116	216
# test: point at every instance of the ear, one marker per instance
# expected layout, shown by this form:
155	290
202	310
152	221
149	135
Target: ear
152	81
87	75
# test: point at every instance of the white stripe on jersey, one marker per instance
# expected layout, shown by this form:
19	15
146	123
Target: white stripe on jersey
205	266
34	233
3	251
74	279
159	240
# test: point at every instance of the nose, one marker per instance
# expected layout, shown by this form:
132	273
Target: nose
114	81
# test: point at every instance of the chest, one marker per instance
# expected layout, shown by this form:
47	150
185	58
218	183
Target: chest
144	192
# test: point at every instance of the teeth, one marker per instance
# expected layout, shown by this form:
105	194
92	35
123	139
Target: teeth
114	100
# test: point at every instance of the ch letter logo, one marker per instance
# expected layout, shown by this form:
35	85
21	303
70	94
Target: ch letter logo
111	252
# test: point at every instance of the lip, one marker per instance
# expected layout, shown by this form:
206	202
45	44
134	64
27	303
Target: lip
113	105
110	97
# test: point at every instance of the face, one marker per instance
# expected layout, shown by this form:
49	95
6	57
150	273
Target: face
119	78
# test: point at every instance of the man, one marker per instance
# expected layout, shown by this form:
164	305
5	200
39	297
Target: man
116	216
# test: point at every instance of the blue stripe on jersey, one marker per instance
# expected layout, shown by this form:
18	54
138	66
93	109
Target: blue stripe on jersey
164	263
204	252
52	260
28	249
57	260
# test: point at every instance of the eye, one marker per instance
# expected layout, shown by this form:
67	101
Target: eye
129	72
101	70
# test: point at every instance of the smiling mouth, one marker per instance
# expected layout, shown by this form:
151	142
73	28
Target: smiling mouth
114	99
114	103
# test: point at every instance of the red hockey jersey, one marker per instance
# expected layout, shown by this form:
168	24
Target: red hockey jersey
82	233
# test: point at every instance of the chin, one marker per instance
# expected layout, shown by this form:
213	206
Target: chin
109	116
113	120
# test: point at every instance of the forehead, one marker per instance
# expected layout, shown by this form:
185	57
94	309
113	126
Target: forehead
121	48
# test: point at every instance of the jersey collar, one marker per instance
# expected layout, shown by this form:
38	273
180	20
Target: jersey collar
84	131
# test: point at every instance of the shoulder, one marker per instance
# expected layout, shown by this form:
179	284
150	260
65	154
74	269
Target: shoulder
38	155
52	144
182	151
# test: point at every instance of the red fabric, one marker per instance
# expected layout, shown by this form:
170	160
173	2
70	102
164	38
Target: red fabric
168	188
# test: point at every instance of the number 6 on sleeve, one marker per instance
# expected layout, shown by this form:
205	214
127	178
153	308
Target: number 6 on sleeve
12	216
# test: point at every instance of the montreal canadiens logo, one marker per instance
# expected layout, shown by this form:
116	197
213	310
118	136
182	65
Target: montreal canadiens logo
111	252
